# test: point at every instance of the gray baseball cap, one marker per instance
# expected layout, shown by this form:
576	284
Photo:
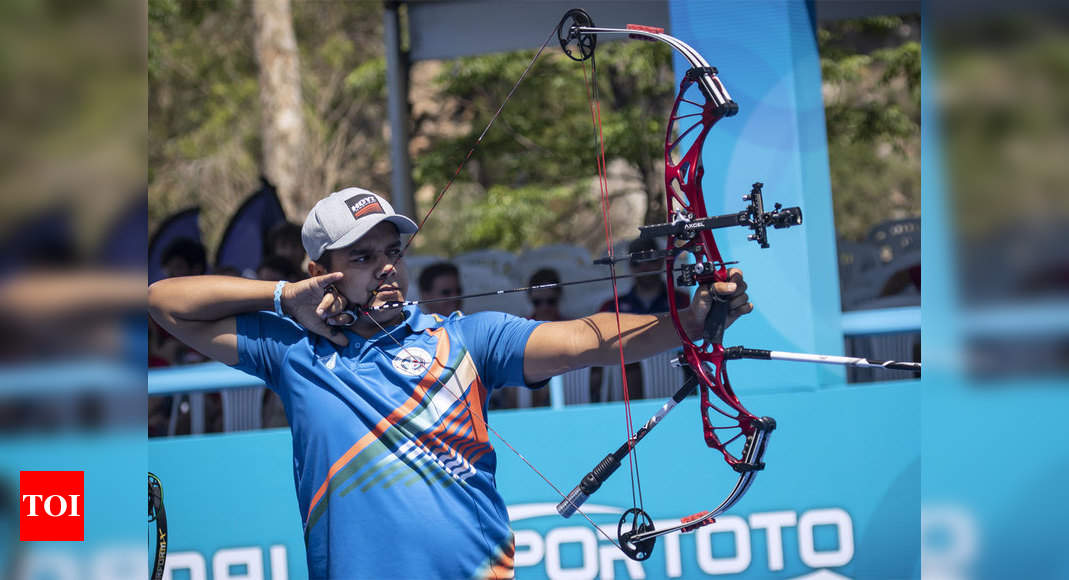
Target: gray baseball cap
343	217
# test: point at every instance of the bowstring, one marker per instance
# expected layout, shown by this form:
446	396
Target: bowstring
594	97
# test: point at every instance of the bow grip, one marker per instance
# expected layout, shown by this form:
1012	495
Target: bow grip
588	485
716	320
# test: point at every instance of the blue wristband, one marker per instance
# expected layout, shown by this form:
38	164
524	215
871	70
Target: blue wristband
278	297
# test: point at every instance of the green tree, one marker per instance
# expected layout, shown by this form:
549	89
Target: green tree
204	110
871	75
530	181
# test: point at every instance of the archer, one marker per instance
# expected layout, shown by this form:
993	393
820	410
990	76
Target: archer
388	406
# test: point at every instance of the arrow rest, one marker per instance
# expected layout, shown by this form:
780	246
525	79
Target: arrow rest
636	521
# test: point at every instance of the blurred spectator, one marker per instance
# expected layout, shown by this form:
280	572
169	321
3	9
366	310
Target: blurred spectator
648	295
278	268
227	271
284	240
545	302
440	280
184	257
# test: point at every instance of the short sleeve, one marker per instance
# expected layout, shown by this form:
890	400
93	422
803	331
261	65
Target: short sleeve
263	340
497	342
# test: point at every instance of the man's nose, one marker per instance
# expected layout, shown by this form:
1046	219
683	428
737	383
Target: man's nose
385	267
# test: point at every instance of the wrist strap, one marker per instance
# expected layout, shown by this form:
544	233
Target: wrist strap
278	297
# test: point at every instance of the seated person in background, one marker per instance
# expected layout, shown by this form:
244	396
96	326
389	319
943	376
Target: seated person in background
184	257
440	280
227	271
278	268
273	414
545	302
648	295
284	239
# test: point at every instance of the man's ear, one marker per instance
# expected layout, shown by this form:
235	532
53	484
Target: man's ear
315	269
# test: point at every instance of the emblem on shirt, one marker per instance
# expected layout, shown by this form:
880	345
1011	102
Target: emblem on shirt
364	204
412	361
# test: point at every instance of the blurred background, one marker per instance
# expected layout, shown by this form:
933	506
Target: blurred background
93	89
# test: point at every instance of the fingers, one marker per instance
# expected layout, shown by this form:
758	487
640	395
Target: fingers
742	309
735	286
328	279
734	292
342	319
331	304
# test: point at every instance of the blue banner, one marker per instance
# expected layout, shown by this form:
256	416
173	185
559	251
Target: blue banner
840	493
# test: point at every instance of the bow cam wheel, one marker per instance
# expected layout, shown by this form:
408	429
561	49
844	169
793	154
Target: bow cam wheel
568	33
635	521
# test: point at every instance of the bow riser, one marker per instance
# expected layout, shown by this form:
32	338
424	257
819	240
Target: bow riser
684	197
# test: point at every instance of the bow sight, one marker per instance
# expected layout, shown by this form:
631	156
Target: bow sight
685	226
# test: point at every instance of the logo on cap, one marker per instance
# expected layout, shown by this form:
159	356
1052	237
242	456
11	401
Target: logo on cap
364	204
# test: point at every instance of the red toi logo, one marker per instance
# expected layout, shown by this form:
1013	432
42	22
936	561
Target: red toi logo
51	506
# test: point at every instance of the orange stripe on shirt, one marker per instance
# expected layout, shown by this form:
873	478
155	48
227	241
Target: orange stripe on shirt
475	397
468	448
420	392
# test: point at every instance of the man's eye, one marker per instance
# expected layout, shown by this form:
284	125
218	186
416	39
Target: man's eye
358	259
394	252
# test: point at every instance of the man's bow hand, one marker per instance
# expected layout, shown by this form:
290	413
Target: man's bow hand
731	293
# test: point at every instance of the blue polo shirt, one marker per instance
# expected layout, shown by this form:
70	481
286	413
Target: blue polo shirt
392	463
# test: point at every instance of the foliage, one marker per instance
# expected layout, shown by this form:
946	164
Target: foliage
530	179
1003	112
871	75
204	132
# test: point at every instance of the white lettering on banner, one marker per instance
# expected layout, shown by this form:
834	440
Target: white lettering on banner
711	564
608	555
118	563
279	566
530	549
673	560
829	559
601	558
589	543
244	563
251	558
48	564
192	562
773	523
949	541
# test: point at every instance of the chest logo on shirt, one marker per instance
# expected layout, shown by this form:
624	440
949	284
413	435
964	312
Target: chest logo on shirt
412	361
